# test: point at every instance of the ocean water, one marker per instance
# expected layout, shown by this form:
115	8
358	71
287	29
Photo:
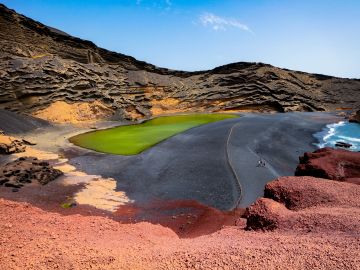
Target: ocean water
340	132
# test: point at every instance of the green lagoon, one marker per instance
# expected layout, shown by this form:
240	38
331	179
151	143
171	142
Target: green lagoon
133	139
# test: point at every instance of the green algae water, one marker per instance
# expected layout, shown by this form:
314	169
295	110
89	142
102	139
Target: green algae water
133	139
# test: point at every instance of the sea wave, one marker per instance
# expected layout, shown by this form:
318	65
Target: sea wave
339	132
350	139
332	129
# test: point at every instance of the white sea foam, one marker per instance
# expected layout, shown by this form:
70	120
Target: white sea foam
332	129
341	131
349	138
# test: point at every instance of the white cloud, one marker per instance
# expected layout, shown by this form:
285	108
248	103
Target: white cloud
220	23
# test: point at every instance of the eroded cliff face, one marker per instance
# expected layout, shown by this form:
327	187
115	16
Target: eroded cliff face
40	65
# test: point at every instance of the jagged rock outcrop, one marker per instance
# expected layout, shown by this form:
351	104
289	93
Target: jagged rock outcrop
25	170
355	117
334	164
40	65
10	145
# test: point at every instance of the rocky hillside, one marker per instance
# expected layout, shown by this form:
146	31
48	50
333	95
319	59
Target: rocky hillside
40	65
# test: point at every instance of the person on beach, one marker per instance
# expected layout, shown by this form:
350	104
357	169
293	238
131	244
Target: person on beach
261	163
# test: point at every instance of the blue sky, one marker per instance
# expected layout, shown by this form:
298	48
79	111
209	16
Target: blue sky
315	36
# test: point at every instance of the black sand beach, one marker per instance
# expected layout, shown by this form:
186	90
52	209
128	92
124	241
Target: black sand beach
14	123
197	164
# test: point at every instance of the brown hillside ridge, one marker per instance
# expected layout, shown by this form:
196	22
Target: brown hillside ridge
40	65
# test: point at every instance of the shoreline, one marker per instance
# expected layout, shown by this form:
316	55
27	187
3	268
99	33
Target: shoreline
154	161
165	234
329	135
184	158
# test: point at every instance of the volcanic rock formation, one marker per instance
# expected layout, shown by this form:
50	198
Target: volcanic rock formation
26	169
10	145
355	117
40	65
307	203
334	164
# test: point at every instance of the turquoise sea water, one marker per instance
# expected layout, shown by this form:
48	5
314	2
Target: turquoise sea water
340	132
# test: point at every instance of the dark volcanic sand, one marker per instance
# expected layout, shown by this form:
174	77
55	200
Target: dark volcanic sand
16	123
194	165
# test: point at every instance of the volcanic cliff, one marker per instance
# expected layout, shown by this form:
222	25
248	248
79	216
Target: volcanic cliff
40	65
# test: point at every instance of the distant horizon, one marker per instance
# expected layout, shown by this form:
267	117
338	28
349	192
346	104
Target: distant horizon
210	40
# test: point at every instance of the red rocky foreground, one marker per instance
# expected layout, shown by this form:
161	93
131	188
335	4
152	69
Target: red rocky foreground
301	223
325	236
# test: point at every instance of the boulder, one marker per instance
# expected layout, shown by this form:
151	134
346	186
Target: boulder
343	144
25	170
264	214
334	164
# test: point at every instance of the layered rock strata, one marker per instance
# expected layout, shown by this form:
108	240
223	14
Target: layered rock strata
40	65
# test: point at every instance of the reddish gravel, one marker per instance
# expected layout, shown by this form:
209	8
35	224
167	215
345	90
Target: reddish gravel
35	239
186	218
307	204
304	191
304	223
